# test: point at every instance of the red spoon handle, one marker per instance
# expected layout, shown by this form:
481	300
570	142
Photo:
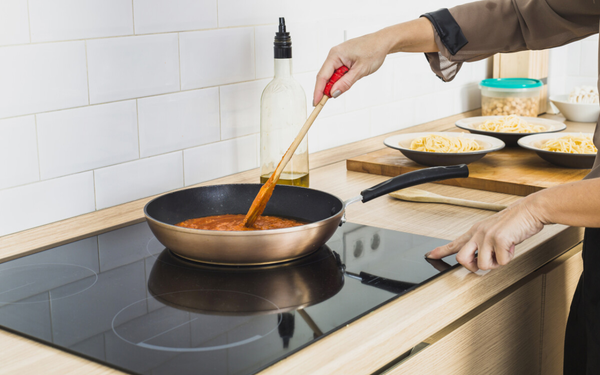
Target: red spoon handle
339	72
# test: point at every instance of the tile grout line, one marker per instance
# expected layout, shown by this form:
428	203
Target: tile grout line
29	21
134	35
95	195
87	73
179	55
37	148
137	120
133	17
134	98
183	167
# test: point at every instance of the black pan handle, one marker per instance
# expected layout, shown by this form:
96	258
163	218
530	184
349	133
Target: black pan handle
393	286
415	178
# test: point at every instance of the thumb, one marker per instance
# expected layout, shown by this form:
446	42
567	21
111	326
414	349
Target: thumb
345	83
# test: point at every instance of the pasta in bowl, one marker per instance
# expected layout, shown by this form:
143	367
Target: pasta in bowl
443	148
509	128
571	150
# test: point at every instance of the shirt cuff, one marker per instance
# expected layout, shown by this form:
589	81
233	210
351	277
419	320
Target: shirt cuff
449	40
447	29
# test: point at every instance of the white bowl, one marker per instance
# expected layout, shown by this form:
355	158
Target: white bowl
402	142
564	159
472	125
578	112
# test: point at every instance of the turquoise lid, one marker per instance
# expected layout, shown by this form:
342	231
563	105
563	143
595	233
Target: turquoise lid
511	83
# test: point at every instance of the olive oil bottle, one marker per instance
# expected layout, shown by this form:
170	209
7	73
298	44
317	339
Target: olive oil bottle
282	114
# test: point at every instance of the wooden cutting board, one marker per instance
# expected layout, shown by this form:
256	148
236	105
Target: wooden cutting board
514	171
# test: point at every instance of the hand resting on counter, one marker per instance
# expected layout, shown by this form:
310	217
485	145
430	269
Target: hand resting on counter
494	239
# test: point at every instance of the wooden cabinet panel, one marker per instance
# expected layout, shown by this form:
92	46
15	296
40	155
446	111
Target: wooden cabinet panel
503	339
559	289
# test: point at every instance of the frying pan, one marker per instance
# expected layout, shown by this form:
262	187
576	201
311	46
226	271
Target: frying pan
322	211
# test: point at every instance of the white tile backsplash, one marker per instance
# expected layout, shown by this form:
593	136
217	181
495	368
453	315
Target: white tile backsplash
14	22
78	19
372	90
240	108
178	121
159	16
130	67
220	159
254	12
391	117
18	152
589	58
216	57
138	179
265	55
44	202
42	77
339	130
162	94
81	139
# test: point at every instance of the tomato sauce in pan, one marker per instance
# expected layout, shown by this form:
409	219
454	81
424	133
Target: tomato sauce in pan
234	222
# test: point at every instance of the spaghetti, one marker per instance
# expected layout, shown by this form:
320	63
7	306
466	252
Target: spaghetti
511	124
442	143
571	144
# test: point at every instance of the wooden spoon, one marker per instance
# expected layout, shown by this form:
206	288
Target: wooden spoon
263	196
417	195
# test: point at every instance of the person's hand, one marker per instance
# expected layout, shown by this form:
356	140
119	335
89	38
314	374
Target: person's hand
494	238
363	56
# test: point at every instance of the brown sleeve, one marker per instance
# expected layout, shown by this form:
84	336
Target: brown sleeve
494	26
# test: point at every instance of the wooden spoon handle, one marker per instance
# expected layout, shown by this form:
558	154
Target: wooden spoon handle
435	198
263	196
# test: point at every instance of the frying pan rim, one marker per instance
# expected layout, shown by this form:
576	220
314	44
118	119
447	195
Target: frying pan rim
206	232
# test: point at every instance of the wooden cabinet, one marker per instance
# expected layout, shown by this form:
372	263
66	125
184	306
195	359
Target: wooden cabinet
519	331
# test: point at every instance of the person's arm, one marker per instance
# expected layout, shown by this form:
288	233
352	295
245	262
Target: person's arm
494	239
468	32
365	54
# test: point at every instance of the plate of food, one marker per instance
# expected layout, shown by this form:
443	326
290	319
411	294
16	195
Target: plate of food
443	148
509	128
571	150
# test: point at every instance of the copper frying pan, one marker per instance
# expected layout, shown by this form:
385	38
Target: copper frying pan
324	212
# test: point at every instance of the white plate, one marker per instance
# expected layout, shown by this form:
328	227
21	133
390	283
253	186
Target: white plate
579	112
402	142
472	123
564	159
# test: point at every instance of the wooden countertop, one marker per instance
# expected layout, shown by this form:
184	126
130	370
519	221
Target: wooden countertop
356	348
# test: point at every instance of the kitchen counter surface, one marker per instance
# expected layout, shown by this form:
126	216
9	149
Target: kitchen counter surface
400	324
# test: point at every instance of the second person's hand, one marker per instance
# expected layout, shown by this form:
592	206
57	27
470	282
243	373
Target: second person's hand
494	238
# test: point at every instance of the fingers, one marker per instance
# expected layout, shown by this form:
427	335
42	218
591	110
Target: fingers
323	77
466	256
345	83
449	249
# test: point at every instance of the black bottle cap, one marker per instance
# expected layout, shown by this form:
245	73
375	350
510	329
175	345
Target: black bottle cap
283	42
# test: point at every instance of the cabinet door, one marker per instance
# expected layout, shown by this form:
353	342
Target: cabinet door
559	289
502	339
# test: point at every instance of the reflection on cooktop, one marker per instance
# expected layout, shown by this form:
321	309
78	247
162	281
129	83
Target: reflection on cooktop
122	299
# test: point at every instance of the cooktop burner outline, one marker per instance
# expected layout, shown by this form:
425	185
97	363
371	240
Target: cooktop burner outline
143	343
308	300
38	265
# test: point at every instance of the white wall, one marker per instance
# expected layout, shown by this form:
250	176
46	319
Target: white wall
573	65
107	101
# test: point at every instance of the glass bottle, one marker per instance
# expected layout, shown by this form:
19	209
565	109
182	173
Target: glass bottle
282	114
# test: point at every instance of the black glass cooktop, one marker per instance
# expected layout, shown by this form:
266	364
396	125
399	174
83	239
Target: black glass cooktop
122	299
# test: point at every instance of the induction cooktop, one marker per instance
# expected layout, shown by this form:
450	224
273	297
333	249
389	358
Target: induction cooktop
122	299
